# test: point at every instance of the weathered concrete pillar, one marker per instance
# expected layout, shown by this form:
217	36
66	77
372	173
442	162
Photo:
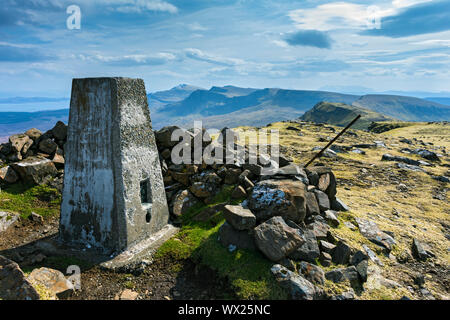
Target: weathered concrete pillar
113	193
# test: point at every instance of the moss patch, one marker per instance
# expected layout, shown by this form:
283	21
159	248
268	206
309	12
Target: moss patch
247	272
24	199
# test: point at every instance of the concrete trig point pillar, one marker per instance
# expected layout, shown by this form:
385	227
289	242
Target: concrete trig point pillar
113	196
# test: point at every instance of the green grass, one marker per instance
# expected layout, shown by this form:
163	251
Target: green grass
247	272
24	199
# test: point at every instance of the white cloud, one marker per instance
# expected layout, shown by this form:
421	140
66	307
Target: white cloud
198	54
407	3
336	15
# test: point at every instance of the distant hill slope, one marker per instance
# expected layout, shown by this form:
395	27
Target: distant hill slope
233	106
159	99
441	100
341	114
404	108
19	122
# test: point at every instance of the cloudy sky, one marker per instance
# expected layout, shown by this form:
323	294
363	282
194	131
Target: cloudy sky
401	45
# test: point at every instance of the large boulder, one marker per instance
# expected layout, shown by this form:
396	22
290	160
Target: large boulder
52	280
286	198
298	287
35	170
341	253
276	239
13	283
239	218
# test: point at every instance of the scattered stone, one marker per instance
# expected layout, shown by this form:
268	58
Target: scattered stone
298	286
13	283
342	274
370	230
7	219
276	239
409	167
128	294
419	250
348	295
350	225
239	218
388	157
331	218
36	218
372	255
438	178
52	280
338	205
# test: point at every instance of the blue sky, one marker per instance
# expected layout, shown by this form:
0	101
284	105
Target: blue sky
308	44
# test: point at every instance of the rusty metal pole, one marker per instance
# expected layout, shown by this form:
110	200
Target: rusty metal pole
332	141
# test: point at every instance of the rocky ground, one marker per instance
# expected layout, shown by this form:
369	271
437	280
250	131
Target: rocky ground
392	243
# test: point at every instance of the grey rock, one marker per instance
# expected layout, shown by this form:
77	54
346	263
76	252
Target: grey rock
59	131
326	246
370	230
342	274
322	200
325	259
13	284
182	202
331	218
7	219
17	141
341	254
339	205
34	134
312	207
48	146
419	250
35	170
309	250
239	218
52	280
298	286
319	229
312	273
276	239
8	175
286	198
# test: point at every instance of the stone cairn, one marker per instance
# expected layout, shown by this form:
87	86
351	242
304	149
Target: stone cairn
34	157
288	215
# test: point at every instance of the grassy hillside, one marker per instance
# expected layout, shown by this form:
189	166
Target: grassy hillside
404	108
340	114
